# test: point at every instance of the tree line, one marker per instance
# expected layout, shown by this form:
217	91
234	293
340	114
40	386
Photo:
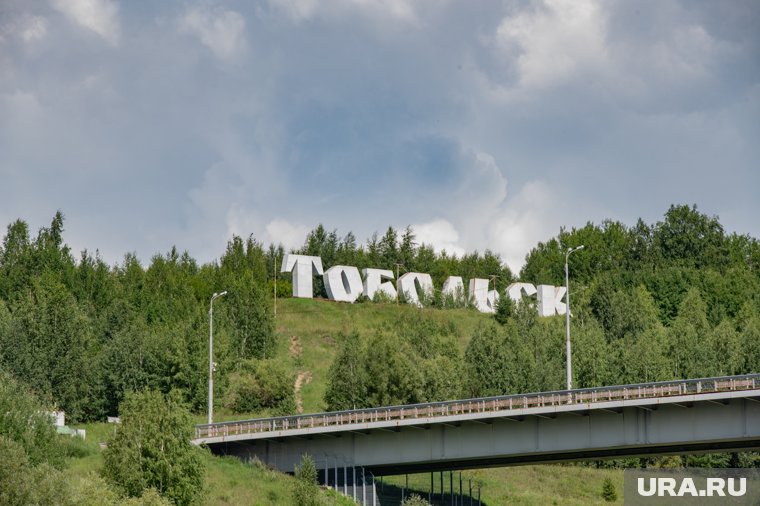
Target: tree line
677	299
82	333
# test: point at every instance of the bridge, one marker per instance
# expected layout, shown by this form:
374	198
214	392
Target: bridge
684	416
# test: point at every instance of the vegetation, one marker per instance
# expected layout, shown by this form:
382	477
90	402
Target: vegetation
609	493
415	500
152	449
306	492
674	299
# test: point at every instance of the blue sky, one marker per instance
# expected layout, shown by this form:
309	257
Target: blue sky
484	124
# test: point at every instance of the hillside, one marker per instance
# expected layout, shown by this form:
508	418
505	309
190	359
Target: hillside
673	299
307	331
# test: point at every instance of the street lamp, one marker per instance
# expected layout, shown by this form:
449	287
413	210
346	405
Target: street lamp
211	356
567	317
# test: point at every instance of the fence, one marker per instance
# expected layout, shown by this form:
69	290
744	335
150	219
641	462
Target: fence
661	389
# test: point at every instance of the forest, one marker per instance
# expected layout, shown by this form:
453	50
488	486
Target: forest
673	299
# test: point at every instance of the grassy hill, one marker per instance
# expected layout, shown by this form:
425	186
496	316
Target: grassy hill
306	332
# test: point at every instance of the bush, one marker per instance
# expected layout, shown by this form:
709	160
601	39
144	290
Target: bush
151	448
415	500
263	384
306	491
24	421
609	493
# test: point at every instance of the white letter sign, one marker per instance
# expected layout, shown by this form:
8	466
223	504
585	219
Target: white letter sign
407	288
343	283
373	283
550	300
303	267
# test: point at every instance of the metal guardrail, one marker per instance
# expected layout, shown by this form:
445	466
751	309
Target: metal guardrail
662	389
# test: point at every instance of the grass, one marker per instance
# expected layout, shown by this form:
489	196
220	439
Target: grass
520	485
229	481
307	331
314	325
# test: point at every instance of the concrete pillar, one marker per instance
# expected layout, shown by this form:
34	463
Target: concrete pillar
364	489
353	483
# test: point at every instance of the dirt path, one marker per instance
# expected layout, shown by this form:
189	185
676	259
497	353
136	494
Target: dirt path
295	348
302	379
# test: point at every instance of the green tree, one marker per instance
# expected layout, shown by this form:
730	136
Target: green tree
691	238
306	490
609	493
590	353
249	317
151	448
690	346
488	362
505	309
727	349
142	356
50	345
25	422
415	500
347	377
262	384
748	322
391	363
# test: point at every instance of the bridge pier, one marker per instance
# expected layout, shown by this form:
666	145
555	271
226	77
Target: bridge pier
350	480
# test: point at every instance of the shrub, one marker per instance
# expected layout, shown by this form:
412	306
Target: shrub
609	493
306	491
262	384
151	448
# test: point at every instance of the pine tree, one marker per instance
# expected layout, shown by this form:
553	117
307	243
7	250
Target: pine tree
609	493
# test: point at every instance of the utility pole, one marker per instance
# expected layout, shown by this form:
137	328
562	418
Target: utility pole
211	356
397	285
567	317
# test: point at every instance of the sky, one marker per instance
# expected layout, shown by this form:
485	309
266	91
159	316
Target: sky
483	124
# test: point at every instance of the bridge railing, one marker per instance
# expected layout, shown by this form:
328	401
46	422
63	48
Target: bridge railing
481	405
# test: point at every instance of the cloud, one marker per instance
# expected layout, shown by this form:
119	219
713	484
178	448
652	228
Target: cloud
291	236
302	10
486	125
555	41
100	16
29	28
221	30
441	235
534	214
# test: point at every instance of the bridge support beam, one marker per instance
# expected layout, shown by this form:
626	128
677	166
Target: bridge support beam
607	431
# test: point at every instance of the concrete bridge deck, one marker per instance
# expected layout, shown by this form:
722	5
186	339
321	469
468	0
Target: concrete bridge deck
708	414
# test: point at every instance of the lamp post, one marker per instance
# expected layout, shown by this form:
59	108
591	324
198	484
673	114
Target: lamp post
211	356
567	317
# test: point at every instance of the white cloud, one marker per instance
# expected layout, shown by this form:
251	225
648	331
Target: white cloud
33	28
291	236
441	235
555	41
298	10
532	215
219	29
301	10
100	16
